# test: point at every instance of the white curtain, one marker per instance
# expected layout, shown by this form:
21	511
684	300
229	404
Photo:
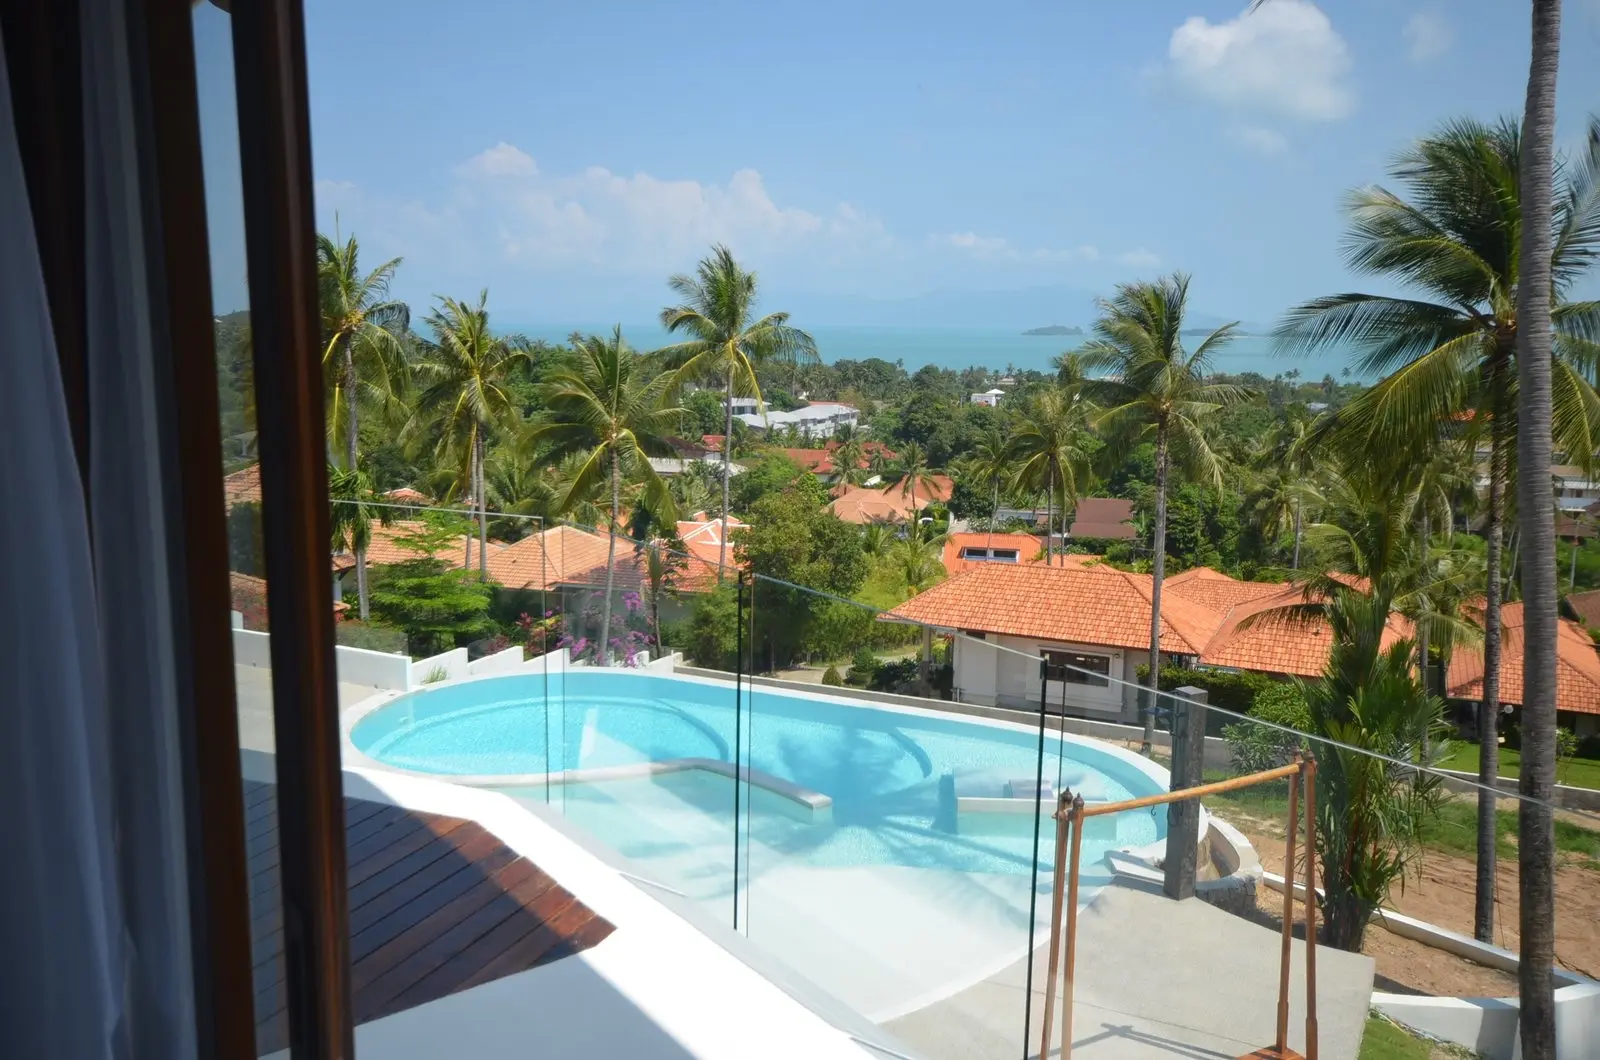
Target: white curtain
93	899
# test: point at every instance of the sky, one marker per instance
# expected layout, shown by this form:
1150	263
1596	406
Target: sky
571	157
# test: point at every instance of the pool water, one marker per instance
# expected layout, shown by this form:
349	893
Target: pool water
845	896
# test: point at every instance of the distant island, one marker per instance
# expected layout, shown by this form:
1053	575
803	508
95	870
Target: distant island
1055	329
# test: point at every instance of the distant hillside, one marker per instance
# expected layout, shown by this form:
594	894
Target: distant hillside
1055	329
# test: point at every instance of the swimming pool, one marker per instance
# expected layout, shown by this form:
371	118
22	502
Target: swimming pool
856	836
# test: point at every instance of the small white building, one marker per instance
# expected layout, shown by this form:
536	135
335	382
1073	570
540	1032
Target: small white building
989	397
820	419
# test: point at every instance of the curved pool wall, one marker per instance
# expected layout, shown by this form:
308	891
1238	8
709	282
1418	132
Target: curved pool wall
877	764
910	873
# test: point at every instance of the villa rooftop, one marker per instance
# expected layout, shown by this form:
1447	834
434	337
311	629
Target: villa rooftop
1577	666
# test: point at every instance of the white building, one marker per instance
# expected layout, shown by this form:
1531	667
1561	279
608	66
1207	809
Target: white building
989	397
820	419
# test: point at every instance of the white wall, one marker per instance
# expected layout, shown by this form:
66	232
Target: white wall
1017	670
380	669
251	648
452	662
501	662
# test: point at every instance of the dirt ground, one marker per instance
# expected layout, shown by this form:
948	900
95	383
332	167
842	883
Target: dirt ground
1442	894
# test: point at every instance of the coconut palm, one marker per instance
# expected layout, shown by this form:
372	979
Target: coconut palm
465	374
1156	391
363	352
606	405
1449	354
989	460
363	336
917	560
1535	823
849	458
1046	452
726	343
353	508
914	474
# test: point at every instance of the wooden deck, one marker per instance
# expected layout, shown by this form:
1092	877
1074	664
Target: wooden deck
437	905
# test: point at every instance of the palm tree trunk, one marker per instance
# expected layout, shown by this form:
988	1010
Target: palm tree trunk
481	488
1049	523
364	604
1158	570
1489	706
1422	631
349	408
727	446
1297	529
603	651
1535	823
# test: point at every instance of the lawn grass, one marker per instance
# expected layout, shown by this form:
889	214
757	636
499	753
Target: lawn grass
1453	830
1577	772
1382	1040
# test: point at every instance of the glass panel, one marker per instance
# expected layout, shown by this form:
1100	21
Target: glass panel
242	495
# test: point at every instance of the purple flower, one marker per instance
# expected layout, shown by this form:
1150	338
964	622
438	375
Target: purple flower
631	601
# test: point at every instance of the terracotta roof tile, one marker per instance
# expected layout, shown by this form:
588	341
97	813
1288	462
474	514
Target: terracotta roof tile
1216	590
242	486
1577	666
1072	604
561	554
1586	606
1027	547
1103	517
887	504
1278	644
387	547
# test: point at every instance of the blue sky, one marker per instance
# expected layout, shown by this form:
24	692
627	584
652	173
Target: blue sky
570	156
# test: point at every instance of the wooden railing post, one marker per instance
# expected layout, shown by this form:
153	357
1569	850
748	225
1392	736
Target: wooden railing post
1062	817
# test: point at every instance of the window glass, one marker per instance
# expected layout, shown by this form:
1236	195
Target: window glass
1070	668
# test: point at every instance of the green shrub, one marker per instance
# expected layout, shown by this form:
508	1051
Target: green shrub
830	676
353	633
1258	747
863	667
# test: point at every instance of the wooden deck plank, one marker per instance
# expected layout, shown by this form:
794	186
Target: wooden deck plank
437	905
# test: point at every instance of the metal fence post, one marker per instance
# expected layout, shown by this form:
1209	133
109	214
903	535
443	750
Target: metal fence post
1183	816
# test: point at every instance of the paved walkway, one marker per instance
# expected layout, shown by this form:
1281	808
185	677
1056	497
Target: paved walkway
1156	980
253	686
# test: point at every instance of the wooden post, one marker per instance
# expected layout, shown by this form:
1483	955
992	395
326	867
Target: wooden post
1072	926
1282	1040
1309	768
1062	818
1179	867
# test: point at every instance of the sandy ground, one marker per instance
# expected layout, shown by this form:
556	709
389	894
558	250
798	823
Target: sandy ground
1442	893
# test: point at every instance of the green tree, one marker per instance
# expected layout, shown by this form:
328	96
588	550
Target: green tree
849	456
352	509
914	474
1158	392
437	607
727	342
465	373
918	560
1046	450
1451	350
363	346
604	404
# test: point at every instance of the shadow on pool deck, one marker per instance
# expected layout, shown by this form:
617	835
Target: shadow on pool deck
1155	979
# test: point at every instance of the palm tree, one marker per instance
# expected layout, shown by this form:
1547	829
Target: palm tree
848	458
1535	823
918	560
363	331
727	343
364	352
465	374
1452	351
605	405
1046	452
989	459
351	514
1158	392
915	473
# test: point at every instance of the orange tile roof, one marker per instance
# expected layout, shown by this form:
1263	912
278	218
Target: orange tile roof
406	493
1586	606
1216	590
887	504
1577	666
387	547
1103	517
1279	644
242	486
1075	605
1027	546
552	557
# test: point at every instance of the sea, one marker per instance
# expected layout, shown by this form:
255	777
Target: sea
1000	349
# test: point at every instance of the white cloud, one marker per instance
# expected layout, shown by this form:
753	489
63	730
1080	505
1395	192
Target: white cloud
1261	140
1284	58
501	160
998	248
1428	36
1138	259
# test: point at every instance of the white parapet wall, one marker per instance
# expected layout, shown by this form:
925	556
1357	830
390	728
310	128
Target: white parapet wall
251	648
379	669
501	662
446	666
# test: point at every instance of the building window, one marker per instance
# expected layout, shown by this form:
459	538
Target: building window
1002	555
1070	667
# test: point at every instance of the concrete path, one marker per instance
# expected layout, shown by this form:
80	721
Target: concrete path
1156	979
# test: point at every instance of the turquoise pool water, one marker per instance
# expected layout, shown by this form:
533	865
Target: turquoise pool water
883	768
